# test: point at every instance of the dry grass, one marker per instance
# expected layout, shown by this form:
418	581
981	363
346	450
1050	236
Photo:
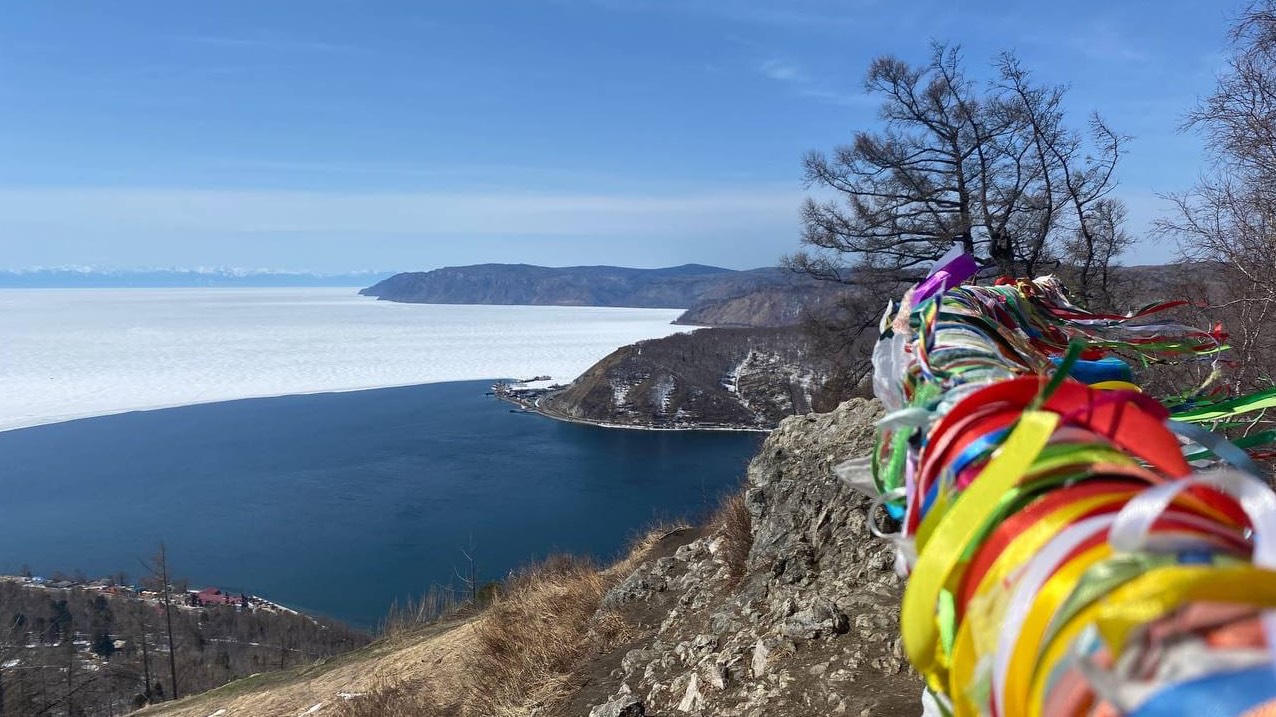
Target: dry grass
735	526
405	667
390	700
641	543
528	647
438	603
535	634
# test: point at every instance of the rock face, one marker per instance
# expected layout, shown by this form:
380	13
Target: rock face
623	706
811	628
729	377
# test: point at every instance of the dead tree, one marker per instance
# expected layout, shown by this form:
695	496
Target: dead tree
161	582
1228	220
991	167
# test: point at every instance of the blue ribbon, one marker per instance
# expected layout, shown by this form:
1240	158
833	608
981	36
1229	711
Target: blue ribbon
1226	694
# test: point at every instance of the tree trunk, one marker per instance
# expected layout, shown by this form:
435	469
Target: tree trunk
168	619
146	665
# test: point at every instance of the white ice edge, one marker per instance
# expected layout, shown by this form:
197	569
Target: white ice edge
48	420
71	354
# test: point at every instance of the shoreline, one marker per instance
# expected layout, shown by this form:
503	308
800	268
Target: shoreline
535	407
181	599
67	418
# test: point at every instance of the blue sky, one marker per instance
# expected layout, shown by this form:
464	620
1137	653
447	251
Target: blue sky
336	135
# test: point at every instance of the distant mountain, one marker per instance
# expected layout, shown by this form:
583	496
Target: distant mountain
87	277
715	296
675	287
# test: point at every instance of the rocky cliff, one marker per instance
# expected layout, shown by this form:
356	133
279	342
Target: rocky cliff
810	628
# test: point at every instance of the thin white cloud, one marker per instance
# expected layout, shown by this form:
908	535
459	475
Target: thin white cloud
800	81
31	214
471	174
782	71
1101	41
841	99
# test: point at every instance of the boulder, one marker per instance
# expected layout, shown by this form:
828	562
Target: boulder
623	706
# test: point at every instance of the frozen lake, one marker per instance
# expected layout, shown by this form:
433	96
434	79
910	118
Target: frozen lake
74	353
340	502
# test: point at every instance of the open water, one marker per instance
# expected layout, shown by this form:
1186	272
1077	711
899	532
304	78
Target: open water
340	503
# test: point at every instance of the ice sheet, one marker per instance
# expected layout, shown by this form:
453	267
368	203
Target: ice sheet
72	353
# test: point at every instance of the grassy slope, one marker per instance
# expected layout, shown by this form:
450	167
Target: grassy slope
520	651
428	654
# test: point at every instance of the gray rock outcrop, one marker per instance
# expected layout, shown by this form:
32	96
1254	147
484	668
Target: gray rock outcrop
812	626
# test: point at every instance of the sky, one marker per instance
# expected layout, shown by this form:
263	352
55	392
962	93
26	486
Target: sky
335	135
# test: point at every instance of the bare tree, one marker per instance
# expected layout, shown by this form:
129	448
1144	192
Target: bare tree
992	167
143	639
10	644
842	333
469	581
1228	219
1238	120
1090	253
162	583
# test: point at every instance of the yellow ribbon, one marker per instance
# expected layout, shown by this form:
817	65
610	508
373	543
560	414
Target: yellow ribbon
1083	457
981	627
1116	386
955	530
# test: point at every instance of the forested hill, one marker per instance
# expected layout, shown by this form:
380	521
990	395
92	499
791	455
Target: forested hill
680	287
89	649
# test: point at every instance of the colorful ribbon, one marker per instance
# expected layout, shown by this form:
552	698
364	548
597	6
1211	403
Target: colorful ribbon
1053	531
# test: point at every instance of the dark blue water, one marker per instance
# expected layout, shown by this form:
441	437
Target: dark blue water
341	503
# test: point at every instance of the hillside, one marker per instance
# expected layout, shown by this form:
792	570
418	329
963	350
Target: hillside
753	368
782	605
713	296
675	287
770	305
712	377
87	648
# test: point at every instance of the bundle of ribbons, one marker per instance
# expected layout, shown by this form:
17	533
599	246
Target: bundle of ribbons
1072	546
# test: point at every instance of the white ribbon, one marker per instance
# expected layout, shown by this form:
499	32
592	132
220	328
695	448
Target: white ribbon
1130	532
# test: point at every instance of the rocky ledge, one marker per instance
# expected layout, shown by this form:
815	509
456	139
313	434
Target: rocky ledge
808	627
